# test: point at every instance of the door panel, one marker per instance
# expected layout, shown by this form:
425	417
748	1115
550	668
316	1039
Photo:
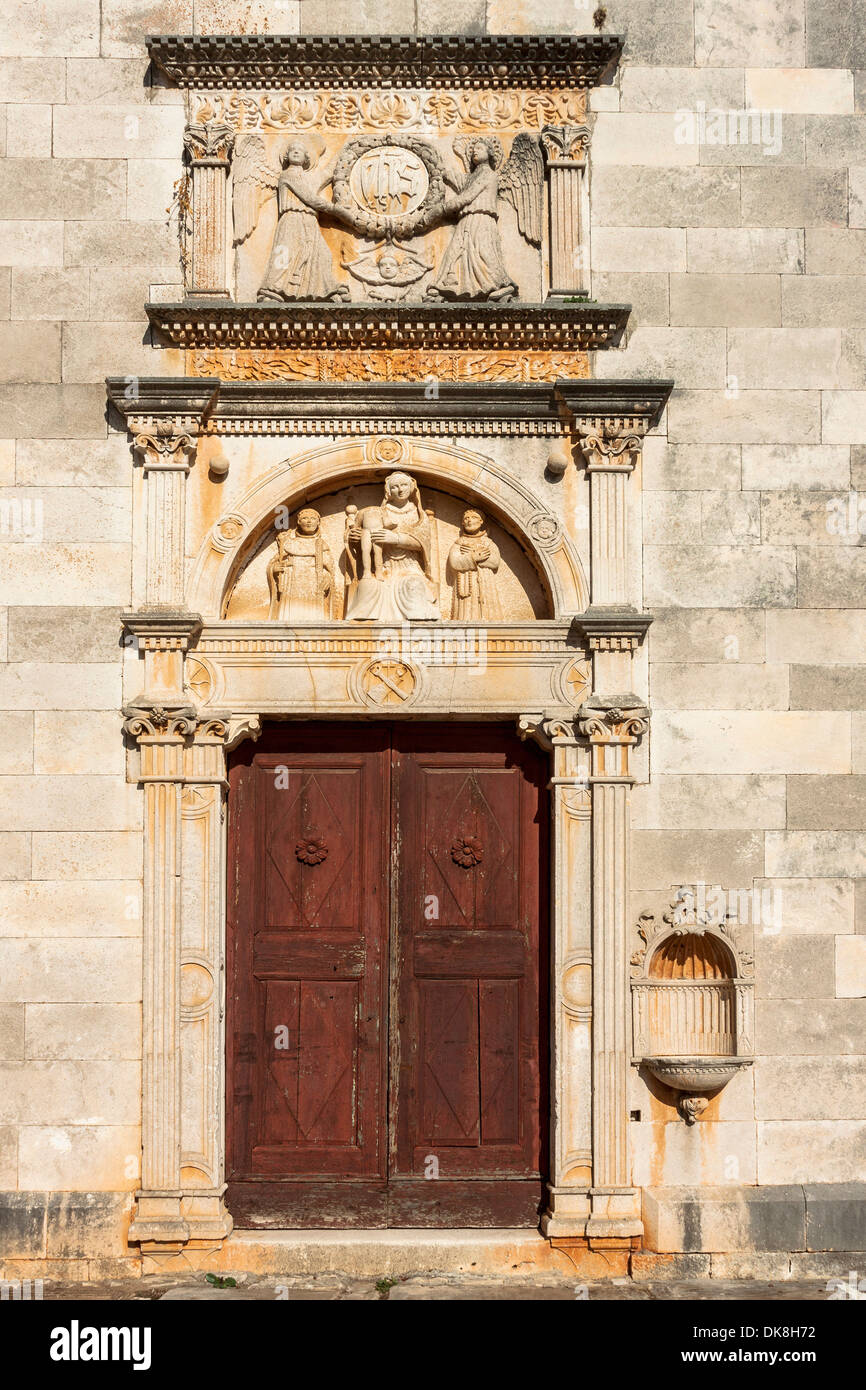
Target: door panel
469	1064
387	977
308	969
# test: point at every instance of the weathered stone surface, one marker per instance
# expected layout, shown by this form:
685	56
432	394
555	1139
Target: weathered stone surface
33	29
731	517
662	858
127	244
669	467
647	294
835	37
11	1032
638	248
842	417
89	574
810	1088
793	197
810	466
65	633
721	685
28	131
724	1219
828	853
857	197
761	358
714	802
16	742
835	1216
673	88
391	17
22	1226
32	243
806	1026
91	802
86	854
706	634
653	35
793	967
810	518
72	189
696	197
104	1214
745	417
14	854
826	803
831	574
643	138
73	463
801	1151
743	251
116	132
713	576
52	412
813	300
29	352
50	294
828	637
810	905
697	356
39	79
809	90
748	741
851	967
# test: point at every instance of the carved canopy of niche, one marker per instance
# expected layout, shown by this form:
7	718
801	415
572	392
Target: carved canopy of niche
539	573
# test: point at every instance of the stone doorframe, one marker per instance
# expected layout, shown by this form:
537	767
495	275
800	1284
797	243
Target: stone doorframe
180	729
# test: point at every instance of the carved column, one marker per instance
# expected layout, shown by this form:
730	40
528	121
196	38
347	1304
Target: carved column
571	975
165	447
209	147
613	626
566	149
161	737
612	732
201	1002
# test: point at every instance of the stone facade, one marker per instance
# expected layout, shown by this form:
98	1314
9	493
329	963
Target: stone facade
714	180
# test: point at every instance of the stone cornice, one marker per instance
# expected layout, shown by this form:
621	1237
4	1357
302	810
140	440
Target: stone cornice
359	407
489	61
613	629
555	326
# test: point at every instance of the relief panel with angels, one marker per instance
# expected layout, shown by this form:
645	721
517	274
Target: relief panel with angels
387	217
389	551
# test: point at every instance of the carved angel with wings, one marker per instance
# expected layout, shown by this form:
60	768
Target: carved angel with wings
300	265
473	267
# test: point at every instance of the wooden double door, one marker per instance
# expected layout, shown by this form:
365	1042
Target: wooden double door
387	977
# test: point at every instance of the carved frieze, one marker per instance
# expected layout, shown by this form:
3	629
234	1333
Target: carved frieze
346	109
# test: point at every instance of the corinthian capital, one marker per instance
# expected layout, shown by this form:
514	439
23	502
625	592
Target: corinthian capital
209	142
620	719
167	443
610	452
565	143
157	723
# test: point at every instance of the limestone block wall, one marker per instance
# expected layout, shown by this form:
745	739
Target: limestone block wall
744	261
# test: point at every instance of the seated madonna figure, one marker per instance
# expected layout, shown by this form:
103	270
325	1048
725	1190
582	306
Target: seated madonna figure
389	557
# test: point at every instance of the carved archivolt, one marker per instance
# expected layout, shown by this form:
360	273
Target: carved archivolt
490	488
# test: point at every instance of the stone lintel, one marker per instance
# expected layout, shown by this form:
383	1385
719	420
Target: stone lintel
500	407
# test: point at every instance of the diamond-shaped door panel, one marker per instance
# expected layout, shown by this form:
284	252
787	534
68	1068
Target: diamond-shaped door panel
311	847
472	846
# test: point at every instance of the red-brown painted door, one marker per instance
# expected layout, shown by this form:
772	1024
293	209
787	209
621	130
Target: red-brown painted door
468	1060
387	977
